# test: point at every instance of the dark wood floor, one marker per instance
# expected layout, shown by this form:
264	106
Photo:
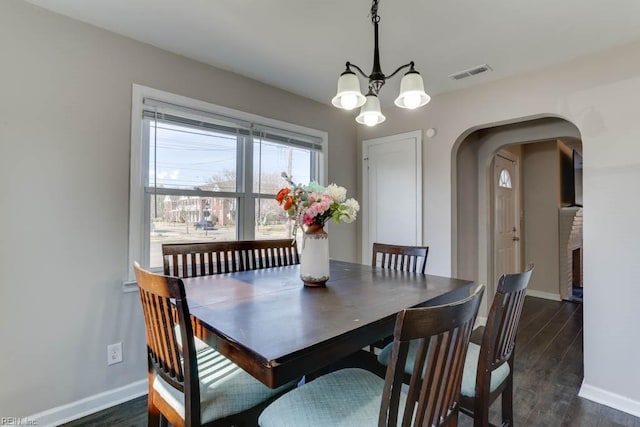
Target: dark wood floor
548	375
548	371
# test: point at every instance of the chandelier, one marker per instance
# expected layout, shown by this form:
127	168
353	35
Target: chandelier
412	94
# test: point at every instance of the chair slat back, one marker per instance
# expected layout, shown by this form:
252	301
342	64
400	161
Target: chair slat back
398	257
443	334
207	258
498	341
163	298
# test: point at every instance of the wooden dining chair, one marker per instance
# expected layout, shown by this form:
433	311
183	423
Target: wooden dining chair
488	371
186	387
488	368
397	257
355	397
200	259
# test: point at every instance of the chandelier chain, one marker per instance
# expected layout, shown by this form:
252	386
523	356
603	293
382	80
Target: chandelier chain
375	18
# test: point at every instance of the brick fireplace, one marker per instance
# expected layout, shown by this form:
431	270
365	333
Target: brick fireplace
571	251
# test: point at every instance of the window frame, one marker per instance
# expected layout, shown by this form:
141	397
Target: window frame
139	220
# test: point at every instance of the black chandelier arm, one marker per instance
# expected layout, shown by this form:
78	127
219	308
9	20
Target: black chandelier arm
363	74
402	67
349	65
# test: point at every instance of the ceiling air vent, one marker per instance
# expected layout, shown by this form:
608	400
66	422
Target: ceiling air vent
470	72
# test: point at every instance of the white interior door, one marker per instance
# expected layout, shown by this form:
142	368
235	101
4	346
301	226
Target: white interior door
505	207
392	191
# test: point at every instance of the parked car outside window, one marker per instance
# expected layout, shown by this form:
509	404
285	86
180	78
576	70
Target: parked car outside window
204	225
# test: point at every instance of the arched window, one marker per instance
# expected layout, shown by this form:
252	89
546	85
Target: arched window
505	179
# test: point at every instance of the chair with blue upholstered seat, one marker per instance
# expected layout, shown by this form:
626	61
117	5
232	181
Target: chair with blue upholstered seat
488	370
489	366
189	387
355	397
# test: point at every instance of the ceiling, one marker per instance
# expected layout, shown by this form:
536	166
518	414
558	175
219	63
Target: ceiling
301	46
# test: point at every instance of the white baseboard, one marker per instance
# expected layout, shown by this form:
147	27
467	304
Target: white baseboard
89	405
545	295
610	399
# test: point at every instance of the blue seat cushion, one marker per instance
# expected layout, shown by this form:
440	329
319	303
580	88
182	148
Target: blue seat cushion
225	388
498	375
345	398
470	367
385	355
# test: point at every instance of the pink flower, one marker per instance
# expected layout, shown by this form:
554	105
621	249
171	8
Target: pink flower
312	210
321	203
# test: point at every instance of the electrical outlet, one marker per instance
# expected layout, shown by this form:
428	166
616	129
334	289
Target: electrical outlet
114	353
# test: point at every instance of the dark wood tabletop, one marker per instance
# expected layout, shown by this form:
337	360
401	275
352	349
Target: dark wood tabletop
276	329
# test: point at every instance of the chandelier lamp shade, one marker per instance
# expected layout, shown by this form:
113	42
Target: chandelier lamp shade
370	113
349	96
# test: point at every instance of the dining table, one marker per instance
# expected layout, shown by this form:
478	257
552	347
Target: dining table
272	326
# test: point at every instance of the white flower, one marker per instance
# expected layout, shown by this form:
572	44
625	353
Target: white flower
352	210
337	193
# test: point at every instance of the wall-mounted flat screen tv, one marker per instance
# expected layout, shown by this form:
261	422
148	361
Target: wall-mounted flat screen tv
577	179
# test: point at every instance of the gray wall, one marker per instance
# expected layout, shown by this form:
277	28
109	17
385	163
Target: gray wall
65	106
467	213
540	168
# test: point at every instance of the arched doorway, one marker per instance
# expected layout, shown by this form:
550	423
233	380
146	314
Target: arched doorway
536	144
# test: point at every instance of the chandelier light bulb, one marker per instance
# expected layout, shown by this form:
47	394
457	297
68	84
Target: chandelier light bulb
349	101
412	100
370	119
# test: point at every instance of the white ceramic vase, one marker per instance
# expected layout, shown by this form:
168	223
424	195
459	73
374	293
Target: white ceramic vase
314	259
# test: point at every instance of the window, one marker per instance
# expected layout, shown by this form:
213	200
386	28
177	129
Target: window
202	172
505	179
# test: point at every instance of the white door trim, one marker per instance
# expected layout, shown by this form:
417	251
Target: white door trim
417	136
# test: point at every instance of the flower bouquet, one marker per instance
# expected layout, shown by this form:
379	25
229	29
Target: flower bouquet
310	207
314	204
